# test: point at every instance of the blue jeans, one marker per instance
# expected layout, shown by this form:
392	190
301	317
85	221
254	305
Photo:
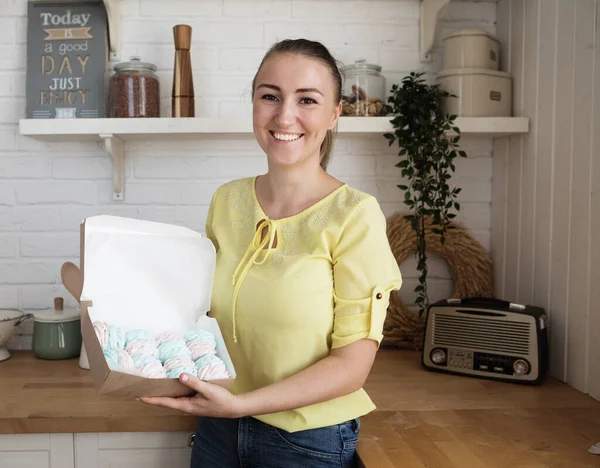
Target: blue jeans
250	443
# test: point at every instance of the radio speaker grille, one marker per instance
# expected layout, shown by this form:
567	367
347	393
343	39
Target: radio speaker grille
482	334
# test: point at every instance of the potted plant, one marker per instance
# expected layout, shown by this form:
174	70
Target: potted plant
427	151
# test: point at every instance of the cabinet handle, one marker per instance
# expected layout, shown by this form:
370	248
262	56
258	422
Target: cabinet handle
191	439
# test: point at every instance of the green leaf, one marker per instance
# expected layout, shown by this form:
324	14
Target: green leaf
402	187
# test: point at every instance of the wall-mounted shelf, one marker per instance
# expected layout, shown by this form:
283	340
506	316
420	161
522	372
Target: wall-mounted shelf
431	10
113	132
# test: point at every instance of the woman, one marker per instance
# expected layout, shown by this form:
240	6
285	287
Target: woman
302	283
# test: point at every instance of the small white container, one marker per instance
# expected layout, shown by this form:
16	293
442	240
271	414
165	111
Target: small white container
471	48
480	92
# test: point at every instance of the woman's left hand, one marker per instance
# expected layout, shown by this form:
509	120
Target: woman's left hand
210	400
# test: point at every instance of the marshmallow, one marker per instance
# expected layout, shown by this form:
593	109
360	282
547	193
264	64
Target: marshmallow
116	337
153	371
137	347
124	359
199	348
138	334
213	371
168	336
200	335
207	359
173	349
101	330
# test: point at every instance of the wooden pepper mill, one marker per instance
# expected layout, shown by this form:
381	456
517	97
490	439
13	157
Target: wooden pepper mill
182	104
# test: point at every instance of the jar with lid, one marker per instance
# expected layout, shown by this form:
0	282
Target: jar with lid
363	90
134	90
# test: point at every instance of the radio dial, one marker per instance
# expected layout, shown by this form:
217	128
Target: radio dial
521	367
438	356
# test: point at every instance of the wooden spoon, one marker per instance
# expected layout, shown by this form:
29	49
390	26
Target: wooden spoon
71	278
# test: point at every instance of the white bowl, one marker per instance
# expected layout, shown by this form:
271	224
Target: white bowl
9	319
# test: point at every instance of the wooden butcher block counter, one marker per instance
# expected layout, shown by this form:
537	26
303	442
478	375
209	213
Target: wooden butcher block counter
423	419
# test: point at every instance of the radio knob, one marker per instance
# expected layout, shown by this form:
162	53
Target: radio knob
438	356
521	367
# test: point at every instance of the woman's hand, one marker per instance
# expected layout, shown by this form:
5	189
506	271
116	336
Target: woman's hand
210	400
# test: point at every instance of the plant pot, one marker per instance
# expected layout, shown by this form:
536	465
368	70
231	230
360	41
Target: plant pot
57	333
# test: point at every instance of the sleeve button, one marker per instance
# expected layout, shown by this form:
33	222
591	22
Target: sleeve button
379	295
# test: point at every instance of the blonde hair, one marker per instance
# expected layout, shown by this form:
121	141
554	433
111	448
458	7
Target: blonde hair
316	50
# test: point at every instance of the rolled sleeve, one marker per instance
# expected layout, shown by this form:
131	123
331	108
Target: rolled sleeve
364	274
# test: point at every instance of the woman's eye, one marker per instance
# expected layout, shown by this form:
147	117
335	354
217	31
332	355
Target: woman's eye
268	97
307	100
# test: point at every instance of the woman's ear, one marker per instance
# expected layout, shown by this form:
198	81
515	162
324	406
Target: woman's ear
336	116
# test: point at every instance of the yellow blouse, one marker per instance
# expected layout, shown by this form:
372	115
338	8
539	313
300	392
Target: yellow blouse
287	291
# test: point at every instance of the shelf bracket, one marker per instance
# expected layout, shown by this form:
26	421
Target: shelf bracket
113	13
114	148
431	10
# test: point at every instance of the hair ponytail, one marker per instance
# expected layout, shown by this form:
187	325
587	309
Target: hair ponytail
326	148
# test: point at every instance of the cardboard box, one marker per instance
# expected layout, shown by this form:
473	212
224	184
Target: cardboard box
142	274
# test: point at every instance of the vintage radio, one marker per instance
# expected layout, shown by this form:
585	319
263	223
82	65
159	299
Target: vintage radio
489	338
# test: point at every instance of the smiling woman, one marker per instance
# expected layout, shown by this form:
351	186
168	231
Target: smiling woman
311	95
302	282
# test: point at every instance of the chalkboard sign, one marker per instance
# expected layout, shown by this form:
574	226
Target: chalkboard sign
67	59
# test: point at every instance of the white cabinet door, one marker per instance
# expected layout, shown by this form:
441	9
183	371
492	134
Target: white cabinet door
36	451
132	450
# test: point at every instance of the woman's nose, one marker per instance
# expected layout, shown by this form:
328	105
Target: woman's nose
286	114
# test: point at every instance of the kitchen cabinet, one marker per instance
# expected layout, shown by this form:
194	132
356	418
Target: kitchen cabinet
37	451
96	450
132	450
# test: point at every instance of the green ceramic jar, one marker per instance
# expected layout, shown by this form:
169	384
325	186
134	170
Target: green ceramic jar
57	334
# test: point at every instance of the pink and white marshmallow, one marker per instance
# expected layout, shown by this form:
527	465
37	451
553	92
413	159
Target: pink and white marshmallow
125	360
101	330
200	348
213	371
153	370
167	336
137	347
177	362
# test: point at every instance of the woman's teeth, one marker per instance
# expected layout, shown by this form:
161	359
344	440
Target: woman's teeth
281	136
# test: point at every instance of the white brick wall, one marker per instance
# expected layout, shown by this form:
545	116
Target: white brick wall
47	188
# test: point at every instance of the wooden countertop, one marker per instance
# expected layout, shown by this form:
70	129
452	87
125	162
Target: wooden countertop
423	419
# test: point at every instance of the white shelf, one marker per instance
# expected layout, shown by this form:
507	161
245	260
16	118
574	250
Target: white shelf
199	127
113	132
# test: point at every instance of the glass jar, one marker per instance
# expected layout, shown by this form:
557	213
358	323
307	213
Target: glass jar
134	90
363	91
